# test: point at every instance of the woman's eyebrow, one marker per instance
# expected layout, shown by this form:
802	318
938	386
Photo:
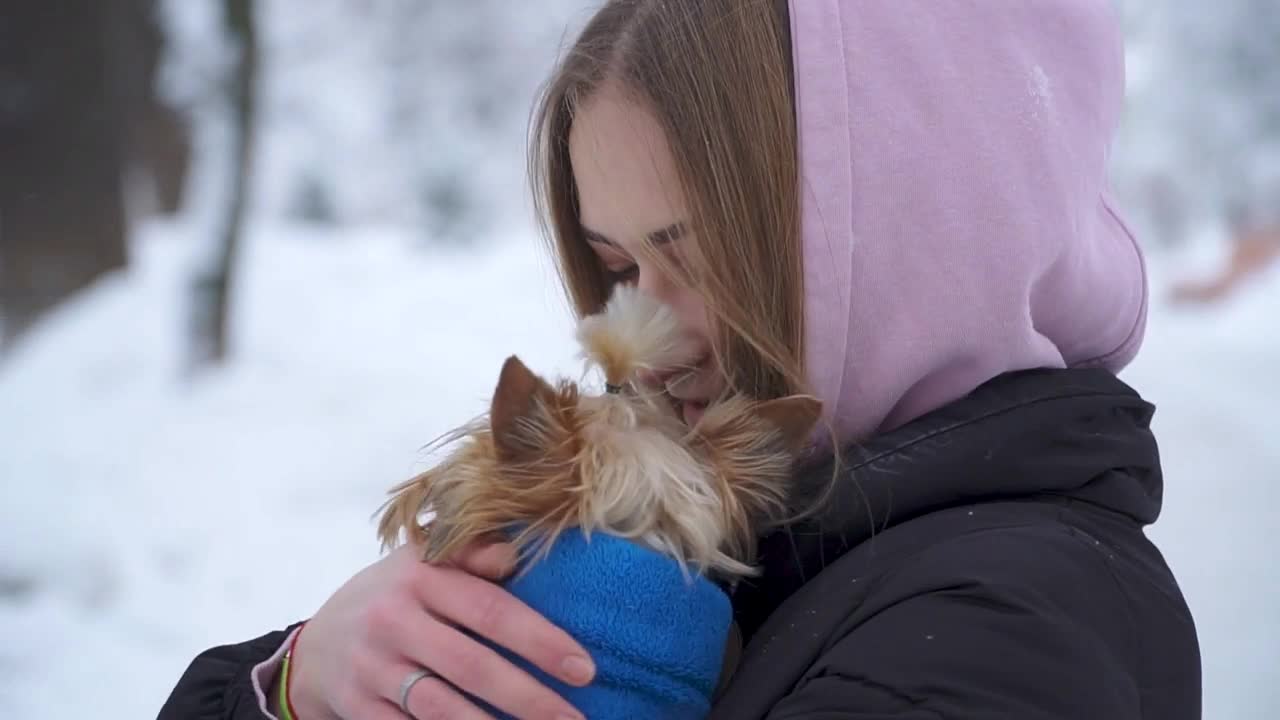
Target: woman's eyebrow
668	234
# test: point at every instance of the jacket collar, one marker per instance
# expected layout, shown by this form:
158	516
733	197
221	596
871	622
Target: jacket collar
1038	432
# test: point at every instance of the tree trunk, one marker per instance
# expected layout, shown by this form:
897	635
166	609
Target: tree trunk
62	221
214	283
157	145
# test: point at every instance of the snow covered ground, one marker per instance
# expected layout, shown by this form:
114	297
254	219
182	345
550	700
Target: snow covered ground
1214	375
145	516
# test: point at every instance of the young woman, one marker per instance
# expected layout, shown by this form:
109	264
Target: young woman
901	208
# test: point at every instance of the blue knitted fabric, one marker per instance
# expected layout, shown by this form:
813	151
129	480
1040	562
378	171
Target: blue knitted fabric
657	638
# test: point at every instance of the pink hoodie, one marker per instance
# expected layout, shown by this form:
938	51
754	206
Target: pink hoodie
957	220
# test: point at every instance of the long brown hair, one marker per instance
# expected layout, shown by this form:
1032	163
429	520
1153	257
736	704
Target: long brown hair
716	75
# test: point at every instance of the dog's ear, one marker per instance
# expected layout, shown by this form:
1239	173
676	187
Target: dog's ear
518	396
794	416
400	511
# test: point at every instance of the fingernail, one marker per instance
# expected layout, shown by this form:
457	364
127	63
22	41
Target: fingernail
577	669
571	716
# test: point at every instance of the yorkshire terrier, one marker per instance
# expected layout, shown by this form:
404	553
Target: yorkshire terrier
611	501
549	458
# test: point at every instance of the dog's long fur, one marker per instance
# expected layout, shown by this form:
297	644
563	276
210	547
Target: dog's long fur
548	458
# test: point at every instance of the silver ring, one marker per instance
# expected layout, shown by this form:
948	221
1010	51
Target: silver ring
410	680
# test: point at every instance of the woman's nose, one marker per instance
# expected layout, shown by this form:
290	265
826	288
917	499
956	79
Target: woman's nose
651	281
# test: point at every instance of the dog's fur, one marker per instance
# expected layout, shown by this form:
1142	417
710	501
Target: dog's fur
548	458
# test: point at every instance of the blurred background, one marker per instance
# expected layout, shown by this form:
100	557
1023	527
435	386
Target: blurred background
255	253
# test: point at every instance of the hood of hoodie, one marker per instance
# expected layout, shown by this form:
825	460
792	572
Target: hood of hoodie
956	214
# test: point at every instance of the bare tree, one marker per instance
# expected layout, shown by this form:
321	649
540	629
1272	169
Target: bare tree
156	138
78	109
62	220
213	283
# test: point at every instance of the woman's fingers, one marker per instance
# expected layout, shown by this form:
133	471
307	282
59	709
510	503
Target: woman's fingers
494	562
473	667
383	710
431	698
493	613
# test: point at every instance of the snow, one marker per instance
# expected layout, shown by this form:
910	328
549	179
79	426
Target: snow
147	515
1214	375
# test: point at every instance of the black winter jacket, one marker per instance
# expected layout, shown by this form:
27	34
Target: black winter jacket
985	561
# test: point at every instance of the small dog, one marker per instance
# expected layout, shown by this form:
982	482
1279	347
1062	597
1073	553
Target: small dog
548	458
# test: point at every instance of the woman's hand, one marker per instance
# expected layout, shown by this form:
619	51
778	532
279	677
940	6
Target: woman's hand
399	615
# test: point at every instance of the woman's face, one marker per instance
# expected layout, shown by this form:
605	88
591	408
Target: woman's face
629	195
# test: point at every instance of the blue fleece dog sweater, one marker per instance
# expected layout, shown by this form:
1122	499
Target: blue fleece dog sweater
657	637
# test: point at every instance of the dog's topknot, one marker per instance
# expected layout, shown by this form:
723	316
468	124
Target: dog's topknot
634	332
